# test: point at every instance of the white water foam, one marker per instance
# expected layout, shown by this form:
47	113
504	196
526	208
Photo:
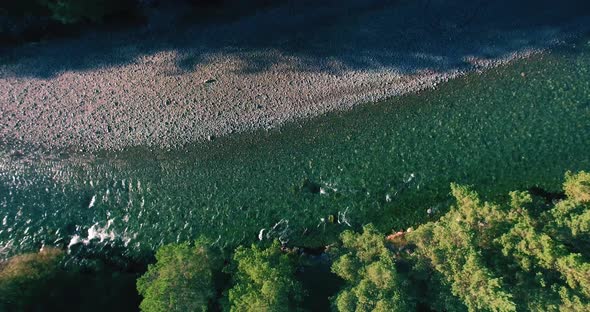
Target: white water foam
92	202
101	233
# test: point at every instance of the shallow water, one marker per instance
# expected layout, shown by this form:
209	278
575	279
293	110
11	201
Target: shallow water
515	127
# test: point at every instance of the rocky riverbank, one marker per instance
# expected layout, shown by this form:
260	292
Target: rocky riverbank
176	81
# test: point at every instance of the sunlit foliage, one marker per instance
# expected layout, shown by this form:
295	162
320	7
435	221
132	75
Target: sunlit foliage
506	258
182	279
368	266
264	280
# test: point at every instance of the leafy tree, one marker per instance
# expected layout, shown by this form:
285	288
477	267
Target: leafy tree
25	277
452	244
263	280
555	259
368	266
569	220
577	187
503	258
182	279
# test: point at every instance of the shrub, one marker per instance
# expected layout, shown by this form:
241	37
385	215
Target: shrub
25	277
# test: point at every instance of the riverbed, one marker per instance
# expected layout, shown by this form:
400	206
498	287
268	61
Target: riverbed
514	127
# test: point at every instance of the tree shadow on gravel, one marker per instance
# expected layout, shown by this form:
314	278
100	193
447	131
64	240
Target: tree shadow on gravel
326	36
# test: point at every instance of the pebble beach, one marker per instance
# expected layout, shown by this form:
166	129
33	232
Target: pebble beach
166	85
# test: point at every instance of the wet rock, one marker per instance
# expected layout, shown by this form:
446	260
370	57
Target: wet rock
310	187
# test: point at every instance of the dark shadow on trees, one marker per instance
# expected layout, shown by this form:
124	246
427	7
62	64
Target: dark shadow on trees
401	35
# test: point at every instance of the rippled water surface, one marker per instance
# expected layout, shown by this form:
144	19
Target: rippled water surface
516	127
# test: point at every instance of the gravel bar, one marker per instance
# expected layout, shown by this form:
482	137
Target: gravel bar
176	81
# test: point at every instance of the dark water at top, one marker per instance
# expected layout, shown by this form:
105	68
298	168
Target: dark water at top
512	128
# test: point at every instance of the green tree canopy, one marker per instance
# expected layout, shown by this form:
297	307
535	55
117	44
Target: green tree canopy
505	257
528	254
24	277
182	279
263	280
368	266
